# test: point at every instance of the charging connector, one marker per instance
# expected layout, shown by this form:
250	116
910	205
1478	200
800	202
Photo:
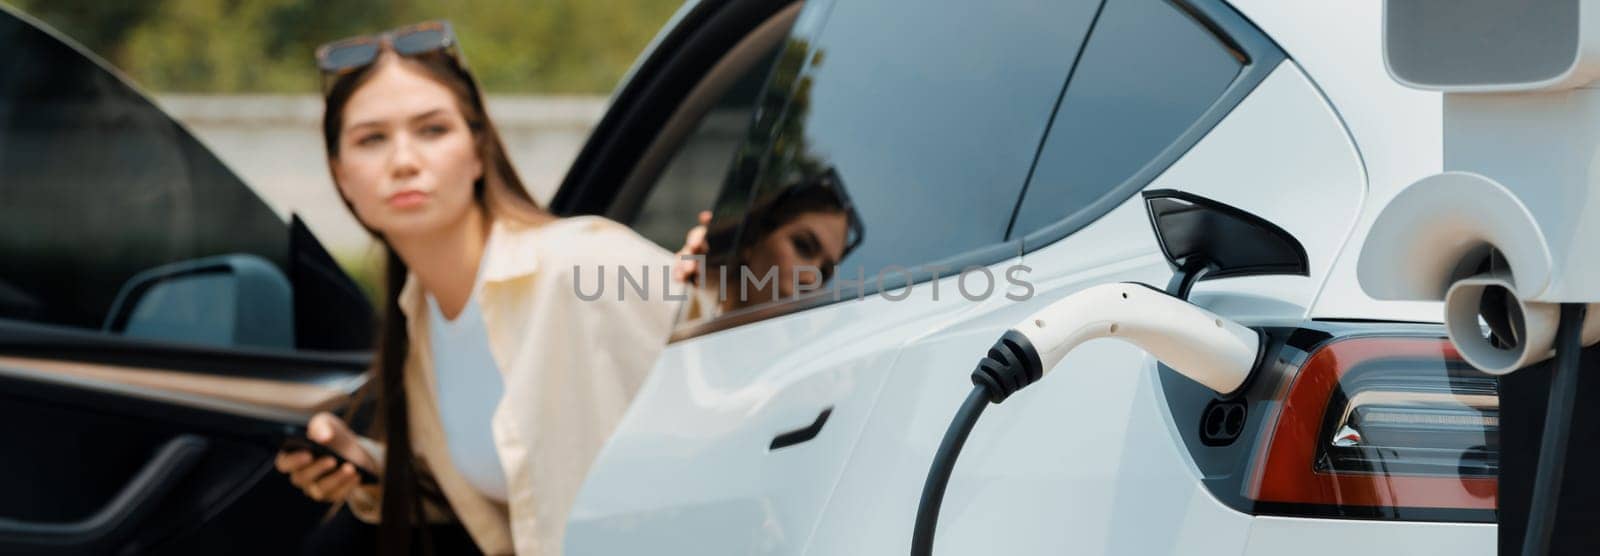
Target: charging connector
1197	343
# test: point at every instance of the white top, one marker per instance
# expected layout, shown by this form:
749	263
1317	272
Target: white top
470	388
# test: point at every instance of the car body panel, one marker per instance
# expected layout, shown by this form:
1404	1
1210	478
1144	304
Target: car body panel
1306	179
1398	131
1102	473
691	467
1339	537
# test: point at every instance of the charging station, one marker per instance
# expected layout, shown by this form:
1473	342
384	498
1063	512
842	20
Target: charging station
1504	237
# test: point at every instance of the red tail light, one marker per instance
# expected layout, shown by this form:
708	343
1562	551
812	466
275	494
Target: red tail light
1371	425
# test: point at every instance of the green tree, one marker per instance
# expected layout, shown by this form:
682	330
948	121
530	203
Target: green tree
265	46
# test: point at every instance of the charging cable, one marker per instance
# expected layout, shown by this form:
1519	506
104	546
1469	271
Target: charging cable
1197	343
1557	430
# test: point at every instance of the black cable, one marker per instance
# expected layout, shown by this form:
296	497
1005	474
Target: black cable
1557	429
1011	365
943	462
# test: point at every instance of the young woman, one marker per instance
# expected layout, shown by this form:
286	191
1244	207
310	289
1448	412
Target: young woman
796	235
496	384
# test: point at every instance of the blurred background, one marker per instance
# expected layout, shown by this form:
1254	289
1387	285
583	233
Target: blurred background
240	75
519	47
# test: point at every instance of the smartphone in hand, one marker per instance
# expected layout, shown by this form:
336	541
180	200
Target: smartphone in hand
297	441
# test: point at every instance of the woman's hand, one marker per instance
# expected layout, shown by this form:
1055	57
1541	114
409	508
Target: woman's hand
685	270
322	478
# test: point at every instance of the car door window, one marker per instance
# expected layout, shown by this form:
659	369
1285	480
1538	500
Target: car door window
113	218
896	138
1149	71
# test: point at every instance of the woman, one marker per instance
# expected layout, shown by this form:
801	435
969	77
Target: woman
794	239
496	385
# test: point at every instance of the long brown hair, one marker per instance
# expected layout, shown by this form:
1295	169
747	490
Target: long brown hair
500	194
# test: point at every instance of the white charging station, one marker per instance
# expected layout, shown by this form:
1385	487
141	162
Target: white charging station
1507	231
1504	236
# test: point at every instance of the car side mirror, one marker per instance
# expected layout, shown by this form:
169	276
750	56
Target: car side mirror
227	301
1203	239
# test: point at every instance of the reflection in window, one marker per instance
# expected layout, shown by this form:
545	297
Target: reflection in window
894	150
794	239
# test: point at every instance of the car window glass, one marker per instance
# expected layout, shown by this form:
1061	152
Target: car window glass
688	183
1148	73
899	135
102	191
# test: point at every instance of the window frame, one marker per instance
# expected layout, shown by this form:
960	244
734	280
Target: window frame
985	256
642	105
1260	57
751	53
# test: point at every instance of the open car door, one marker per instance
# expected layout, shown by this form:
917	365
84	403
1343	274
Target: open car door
160	326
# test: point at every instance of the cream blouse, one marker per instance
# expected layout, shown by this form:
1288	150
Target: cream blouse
569	367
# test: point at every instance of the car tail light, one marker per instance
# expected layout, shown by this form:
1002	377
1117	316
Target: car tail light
1397	427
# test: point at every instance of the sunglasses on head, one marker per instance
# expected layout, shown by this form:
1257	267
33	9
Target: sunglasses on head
347	55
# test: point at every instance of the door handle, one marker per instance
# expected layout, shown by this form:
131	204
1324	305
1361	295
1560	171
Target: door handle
801	434
121	516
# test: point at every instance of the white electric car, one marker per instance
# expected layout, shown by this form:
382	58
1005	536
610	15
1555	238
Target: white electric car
998	157
946	168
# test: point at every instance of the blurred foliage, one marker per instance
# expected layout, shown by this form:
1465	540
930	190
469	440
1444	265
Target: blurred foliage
265	46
